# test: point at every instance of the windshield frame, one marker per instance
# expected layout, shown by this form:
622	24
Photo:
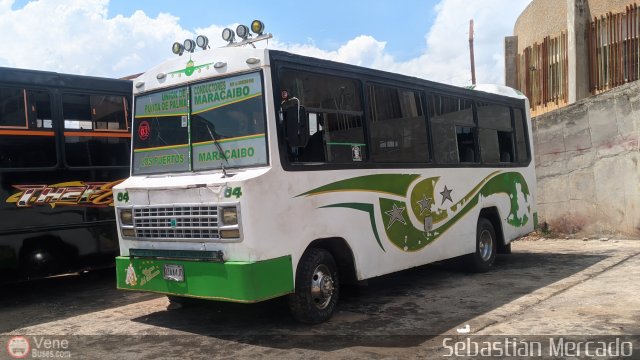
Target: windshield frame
222	163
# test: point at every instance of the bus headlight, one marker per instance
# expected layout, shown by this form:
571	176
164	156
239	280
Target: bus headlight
126	217
230	216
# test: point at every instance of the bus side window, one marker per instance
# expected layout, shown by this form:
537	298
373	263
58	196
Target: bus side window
24	144
453	128
520	128
336	102
12	108
496	133
398	126
96	130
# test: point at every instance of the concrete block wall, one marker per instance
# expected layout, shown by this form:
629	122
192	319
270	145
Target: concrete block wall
588	165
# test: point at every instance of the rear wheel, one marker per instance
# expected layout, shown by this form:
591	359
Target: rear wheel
486	245
39	261
317	287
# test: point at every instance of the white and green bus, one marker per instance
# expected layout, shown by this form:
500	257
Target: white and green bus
259	173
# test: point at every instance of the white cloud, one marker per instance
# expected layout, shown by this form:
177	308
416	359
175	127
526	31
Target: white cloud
446	58
79	36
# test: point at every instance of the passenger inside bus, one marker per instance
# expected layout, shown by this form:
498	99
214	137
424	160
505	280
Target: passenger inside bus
314	151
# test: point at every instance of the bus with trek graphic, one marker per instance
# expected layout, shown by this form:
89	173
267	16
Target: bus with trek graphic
64	143
258	173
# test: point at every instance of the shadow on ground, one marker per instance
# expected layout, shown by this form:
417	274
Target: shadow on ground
63	297
399	310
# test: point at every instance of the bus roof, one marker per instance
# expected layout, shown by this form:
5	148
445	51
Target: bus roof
69	81
200	65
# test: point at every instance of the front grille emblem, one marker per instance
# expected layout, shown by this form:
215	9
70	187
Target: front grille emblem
174	223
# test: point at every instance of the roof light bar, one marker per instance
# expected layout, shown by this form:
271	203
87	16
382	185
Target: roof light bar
177	48
243	32
257	27
202	42
228	35
189	45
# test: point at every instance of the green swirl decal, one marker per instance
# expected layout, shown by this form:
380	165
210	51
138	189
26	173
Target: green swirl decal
434	210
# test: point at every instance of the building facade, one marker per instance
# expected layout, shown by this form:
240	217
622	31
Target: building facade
564	51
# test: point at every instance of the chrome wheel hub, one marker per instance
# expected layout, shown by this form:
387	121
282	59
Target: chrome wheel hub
485	245
321	286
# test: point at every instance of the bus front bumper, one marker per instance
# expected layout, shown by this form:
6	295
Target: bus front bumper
245	282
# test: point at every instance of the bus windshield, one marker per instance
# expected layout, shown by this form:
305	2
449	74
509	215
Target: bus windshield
205	126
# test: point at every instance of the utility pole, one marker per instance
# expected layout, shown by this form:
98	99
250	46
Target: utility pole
473	62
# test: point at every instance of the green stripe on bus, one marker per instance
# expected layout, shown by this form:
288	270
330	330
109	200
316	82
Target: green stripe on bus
160	115
394	184
161	148
245	282
239	138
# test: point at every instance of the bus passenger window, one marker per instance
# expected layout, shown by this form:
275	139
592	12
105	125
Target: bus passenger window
24	140
398	126
520	128
12	108
496	133
466	144
96	130
453	127
334	104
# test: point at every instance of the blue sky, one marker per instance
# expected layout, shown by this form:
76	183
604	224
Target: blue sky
328	23
115	38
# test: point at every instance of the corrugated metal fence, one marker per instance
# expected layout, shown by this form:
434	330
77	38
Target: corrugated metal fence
542	73
614	50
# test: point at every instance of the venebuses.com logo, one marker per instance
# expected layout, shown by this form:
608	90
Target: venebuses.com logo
39	347
18	347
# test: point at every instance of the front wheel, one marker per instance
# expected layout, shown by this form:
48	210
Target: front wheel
317	287
486	245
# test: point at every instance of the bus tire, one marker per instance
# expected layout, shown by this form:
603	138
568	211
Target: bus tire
317	287
486	246
178	302
39	262
504	249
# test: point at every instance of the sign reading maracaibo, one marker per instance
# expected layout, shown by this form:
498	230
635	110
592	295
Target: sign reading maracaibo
211	95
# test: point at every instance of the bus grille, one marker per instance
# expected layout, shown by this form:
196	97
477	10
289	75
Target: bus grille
176	222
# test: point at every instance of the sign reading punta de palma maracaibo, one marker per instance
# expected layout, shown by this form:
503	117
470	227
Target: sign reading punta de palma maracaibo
167	103
246	147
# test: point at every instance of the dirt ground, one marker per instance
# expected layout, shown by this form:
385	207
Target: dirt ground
546	287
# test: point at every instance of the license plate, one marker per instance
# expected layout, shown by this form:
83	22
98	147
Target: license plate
173	272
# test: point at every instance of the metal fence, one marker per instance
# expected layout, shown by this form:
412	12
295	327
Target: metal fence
543	73
614	50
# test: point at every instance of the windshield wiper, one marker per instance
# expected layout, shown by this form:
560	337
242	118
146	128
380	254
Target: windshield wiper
217	144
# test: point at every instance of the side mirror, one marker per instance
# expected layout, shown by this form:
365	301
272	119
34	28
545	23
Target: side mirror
296	126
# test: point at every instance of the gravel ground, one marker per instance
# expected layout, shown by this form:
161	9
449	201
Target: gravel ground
547	287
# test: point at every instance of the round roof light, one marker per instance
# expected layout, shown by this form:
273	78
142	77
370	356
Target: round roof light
189	45
242	31
228	35
177	48
257	27
202	41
